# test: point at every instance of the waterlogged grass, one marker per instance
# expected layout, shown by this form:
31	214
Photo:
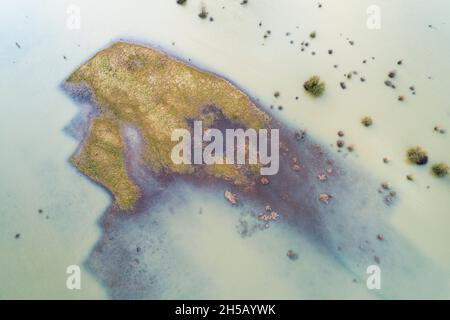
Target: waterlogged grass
155	93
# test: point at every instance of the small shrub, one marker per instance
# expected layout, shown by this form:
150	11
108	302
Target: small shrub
367	121
314	86
440	169
203	13
417	155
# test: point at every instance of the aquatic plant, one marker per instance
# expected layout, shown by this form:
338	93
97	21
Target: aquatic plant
417	155
440	169
314	86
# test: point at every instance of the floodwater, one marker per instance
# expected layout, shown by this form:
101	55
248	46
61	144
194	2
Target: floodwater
186	254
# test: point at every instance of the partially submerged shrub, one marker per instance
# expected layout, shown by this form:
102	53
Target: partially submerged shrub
417	155
439	129
440	169
312	35
203	13
314	86
367	121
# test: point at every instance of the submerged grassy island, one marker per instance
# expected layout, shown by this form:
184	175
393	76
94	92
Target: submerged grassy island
133	85
139	96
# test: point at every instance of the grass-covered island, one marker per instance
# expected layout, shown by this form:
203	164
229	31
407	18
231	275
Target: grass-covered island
144	88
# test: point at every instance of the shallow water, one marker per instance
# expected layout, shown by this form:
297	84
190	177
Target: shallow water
36	174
